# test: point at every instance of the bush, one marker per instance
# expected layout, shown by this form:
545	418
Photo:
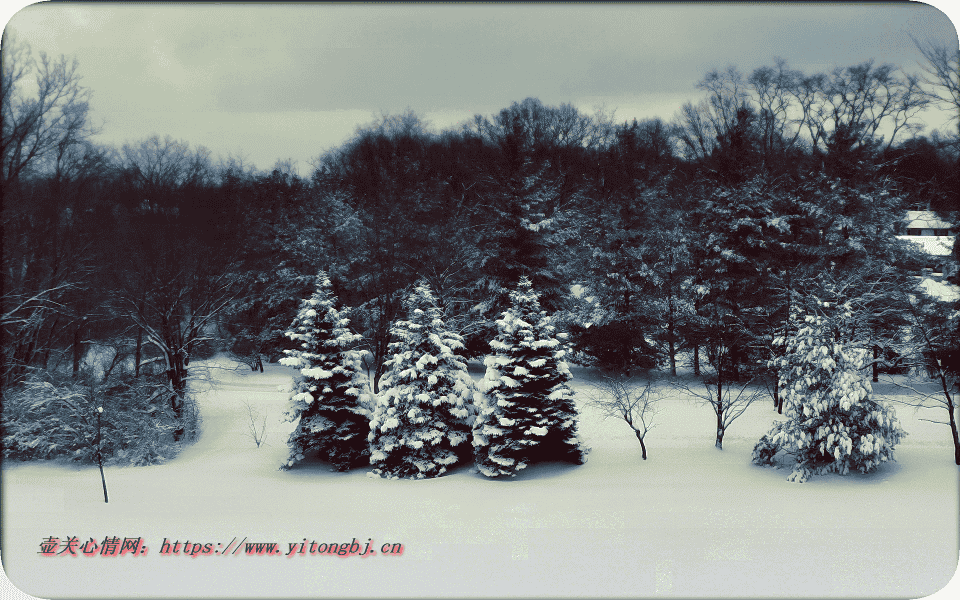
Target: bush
47	418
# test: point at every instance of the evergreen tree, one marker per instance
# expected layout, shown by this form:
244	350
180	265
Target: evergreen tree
618	251
290	232
424	413
530	182
729	282
527	413
833	423
326	399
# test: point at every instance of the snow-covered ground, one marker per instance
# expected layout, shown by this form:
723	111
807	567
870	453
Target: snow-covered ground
690	521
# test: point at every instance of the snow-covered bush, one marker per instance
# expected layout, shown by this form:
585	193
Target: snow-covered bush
326	396
421	426
56	417
833	424
527	413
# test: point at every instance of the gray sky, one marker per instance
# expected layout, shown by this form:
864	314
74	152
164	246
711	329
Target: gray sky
289	81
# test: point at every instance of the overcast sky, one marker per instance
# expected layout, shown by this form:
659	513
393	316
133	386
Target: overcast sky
279	82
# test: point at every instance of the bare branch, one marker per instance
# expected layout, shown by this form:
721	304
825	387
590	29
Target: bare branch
627	398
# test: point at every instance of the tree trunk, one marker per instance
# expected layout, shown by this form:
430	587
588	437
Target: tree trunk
671	329
137	353
24	352
179	384
786	329
643	448
177	375
673	358
956	439
696	360
192	335
137	356
77	354
951	407
113	363
876	365
377	374
719	408
49	348
103	479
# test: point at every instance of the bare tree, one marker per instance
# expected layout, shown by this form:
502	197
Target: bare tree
771	88
727	92
728	397
173	276
855	102
847	105
256	431
47	169
699	127
23	320
542	126
934	344
40	124
941	73
728	400
175	314
693	132
161	168
624	397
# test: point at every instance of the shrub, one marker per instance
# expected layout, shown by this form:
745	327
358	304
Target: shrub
47	418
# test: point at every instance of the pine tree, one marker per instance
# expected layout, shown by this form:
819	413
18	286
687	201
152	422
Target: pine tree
833	422
619	249
421	426
327	396
527	413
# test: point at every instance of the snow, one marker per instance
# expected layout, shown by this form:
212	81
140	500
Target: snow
689	521
317	373
946	292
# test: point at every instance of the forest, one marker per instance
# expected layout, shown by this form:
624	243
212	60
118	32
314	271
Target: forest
650	242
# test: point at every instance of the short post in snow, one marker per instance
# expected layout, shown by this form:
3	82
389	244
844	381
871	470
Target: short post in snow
99	455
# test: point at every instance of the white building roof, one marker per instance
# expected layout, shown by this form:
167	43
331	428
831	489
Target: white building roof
940	290
925	219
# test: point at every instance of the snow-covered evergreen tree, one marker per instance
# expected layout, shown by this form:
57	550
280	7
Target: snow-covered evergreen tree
327	395
833	423
527	413
421	426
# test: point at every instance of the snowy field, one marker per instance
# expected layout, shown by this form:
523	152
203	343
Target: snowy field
692	521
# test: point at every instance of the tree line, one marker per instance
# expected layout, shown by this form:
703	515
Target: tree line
649	239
